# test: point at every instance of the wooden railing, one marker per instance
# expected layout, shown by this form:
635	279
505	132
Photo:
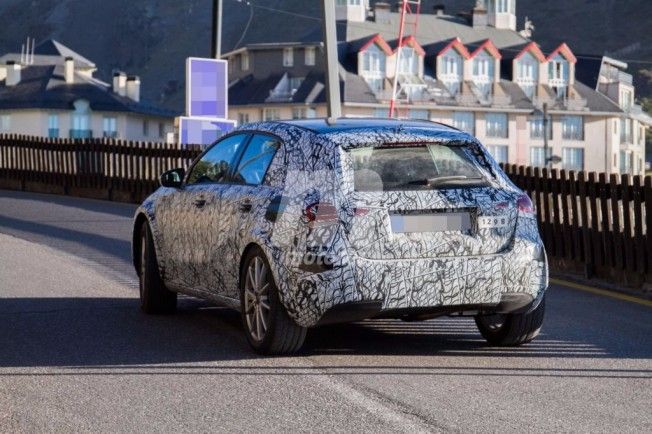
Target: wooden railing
598	220
104	168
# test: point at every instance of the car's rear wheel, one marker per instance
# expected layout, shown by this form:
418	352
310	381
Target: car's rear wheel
267	325
155	298
512	329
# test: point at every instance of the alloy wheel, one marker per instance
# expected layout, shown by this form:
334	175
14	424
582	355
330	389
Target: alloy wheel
256	299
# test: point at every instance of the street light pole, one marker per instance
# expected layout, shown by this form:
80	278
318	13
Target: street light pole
216	50
332	63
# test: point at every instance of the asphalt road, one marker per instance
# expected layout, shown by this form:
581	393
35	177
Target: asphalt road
77	355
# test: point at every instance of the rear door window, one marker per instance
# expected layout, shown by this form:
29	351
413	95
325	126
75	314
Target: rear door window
413	167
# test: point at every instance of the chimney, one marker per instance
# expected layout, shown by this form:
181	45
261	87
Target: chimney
13	73
120	83
69	70
133	88
479	16
382	12
439	10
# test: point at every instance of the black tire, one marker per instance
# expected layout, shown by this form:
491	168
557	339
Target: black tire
281	335
155	298
512	329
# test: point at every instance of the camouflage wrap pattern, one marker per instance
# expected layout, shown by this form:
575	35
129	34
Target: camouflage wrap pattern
201	249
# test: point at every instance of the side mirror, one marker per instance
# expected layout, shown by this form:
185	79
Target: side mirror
172	178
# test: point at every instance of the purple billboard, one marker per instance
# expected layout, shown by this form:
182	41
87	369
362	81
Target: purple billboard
206	87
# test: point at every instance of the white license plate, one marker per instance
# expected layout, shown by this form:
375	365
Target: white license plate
441	222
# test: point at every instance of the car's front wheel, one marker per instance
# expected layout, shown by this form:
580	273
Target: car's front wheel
267	325
155	298
512	329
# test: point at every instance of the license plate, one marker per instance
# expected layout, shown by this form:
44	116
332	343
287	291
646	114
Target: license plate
442	222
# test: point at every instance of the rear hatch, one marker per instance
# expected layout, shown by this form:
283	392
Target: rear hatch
424	201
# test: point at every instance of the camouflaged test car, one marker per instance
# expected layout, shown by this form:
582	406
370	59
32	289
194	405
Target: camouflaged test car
303	223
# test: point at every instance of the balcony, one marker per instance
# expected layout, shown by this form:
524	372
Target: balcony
81	134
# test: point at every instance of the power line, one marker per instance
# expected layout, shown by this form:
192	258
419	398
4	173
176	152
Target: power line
244	32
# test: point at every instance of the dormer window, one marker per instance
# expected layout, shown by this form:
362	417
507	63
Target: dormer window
452	71
483	67
561	70
372	67
558	73
450	65
483	72
526	68
527	74
409	62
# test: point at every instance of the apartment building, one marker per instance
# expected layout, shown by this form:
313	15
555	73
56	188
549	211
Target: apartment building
475	72
51	92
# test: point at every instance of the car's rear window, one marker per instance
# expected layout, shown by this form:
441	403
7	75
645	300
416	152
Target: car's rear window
413	167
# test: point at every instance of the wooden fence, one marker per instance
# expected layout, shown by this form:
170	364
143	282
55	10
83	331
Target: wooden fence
100	168
592	219
595	221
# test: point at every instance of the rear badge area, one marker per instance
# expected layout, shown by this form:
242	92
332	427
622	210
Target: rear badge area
440	222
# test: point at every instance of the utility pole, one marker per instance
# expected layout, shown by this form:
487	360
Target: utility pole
332	63
216	50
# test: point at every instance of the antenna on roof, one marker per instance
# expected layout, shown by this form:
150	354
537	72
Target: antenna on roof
28	59
22	54
33	47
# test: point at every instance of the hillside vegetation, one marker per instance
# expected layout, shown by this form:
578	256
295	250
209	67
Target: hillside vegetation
153	37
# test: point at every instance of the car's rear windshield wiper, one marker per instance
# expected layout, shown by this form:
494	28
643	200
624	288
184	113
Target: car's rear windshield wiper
442	180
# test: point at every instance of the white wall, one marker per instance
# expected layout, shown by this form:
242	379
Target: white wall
129	126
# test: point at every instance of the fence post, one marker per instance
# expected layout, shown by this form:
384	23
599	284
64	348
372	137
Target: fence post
607	236
615	218
586	240
566	228
630	266
639	246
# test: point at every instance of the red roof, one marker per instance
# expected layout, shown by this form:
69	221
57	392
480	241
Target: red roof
565	51
412	42
533	48
490	47
457	44
378	40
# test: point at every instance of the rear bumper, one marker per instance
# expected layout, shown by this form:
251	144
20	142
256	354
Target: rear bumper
359	310
364	288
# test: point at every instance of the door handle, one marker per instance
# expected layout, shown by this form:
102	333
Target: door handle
199	203
245	206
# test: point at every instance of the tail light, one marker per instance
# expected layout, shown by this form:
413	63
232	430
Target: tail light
358	212
321	212
524	204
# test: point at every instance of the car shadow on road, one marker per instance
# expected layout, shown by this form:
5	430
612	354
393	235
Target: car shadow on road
94	205
89	332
